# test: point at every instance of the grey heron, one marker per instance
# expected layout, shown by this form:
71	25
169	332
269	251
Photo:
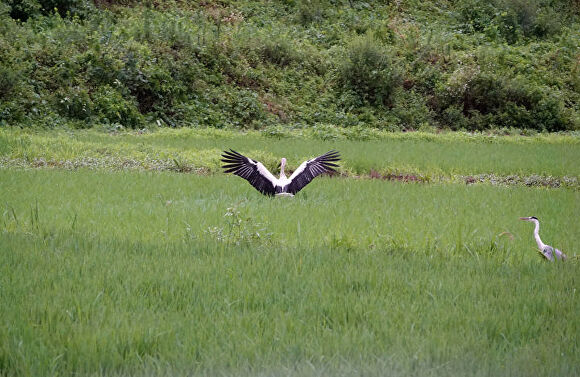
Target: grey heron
259	177
547	251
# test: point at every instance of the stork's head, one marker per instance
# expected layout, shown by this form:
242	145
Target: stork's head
282	163
530	219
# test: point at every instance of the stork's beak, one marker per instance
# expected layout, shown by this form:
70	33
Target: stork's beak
524	218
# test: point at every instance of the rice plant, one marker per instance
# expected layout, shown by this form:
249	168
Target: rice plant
115	273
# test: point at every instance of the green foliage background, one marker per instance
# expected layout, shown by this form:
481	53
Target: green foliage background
459	65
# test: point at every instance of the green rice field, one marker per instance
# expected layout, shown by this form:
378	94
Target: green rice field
429	155
165	266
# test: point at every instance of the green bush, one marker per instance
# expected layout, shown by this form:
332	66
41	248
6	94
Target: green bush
411	110
111	107
452	117
493	99
368	71
75	103
8	81
475	15
309	11
25	9
510	20
279	50
66	7
243	107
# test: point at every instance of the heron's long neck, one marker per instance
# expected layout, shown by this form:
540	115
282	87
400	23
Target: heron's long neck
537	235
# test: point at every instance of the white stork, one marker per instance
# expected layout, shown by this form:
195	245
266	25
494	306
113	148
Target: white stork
259	177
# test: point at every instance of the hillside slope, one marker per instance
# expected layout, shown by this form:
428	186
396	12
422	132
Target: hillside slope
246	64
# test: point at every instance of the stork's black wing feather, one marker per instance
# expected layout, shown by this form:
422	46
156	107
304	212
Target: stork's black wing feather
310	169
252	171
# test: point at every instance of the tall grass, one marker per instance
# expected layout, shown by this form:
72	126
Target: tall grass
148	206
116	273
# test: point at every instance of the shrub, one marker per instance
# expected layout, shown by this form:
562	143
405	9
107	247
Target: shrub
74	102
66	7
310	11
548	22
368	71
111	107
243	107
411	110
494	99
475	15
260	48
101	67
25	9
8	81
279	50
510	20
453	118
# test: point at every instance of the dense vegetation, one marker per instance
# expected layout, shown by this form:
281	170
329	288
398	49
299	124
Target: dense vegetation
462	64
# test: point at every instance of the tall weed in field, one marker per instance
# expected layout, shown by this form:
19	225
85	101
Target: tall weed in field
239	229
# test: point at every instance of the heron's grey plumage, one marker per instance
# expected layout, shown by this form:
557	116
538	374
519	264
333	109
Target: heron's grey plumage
549	252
